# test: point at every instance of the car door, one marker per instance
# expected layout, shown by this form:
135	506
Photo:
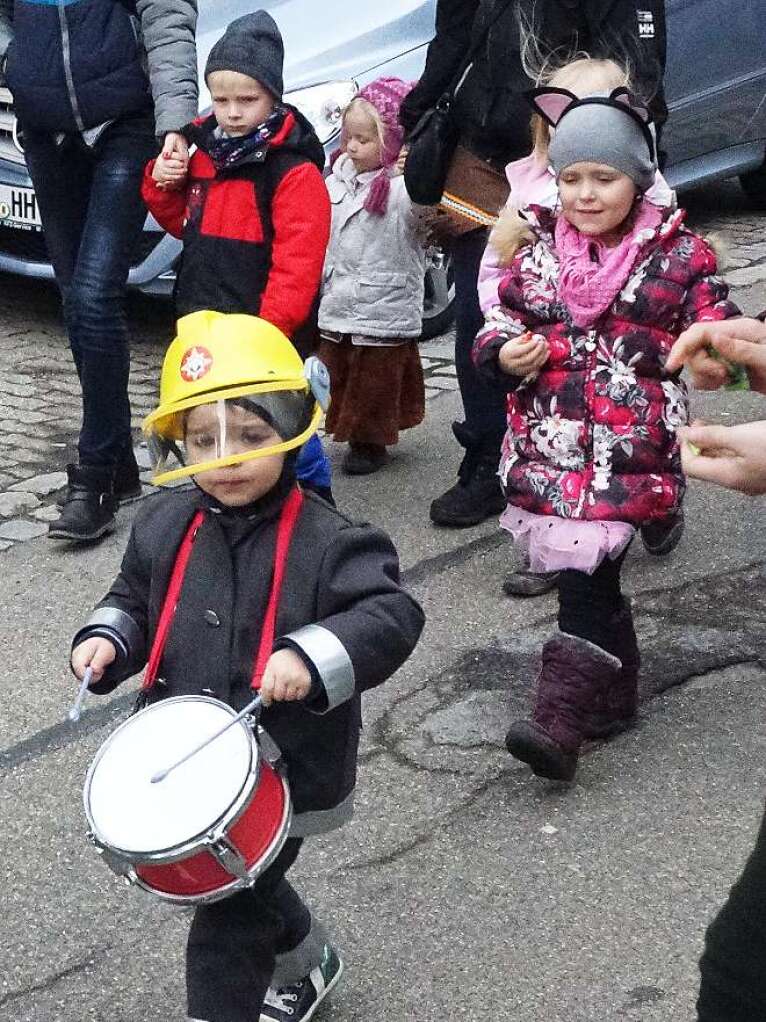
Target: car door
716	76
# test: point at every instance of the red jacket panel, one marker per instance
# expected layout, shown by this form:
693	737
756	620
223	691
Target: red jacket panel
254	234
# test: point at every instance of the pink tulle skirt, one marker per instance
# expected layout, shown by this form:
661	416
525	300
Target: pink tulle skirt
552	544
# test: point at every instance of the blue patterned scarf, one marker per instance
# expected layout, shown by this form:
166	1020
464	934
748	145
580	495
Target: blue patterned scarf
227	150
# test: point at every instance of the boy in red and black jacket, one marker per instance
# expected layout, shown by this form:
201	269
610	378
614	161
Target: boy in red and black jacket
251	206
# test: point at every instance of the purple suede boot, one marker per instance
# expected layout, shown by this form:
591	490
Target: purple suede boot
618	708
574	675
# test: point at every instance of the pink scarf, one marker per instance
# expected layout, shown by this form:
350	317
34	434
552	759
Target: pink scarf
588	288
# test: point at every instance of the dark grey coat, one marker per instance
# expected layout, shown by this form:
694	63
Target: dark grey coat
342	609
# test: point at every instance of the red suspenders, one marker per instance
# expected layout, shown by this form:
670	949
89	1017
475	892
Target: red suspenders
287	521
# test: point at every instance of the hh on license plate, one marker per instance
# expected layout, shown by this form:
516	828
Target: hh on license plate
18	208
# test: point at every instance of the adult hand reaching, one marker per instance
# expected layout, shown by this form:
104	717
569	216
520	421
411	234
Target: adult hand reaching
731	456
739	341
175	146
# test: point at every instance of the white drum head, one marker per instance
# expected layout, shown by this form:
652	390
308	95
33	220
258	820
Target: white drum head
128	813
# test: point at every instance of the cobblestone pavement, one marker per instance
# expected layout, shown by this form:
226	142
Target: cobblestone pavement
39	391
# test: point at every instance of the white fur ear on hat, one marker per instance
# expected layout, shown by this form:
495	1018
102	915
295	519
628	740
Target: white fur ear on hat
624	96
551	103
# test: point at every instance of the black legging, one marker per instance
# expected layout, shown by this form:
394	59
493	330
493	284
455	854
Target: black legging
588	603
233	944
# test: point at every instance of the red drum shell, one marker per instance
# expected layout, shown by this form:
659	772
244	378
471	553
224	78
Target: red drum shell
253	835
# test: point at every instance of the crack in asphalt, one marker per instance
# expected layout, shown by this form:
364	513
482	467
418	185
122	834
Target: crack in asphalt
50	981
430	567
684	649
426	837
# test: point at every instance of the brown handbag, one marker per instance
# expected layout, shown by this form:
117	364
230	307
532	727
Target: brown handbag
474	194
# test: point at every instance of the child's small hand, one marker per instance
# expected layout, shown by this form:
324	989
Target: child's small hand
285	679
170	171
96	653
523	355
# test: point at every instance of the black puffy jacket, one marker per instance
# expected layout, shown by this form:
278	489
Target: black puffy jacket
77	64
492	115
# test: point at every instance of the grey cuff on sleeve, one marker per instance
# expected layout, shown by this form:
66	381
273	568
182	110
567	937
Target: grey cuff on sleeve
117	621
328	655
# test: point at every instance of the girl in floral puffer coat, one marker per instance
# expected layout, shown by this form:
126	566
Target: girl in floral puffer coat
591	303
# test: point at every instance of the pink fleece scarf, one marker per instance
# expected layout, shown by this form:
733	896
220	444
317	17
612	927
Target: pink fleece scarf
587	287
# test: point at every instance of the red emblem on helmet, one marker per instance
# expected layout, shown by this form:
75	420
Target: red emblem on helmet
195	364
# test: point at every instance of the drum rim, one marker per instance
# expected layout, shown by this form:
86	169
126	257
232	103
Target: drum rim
178	852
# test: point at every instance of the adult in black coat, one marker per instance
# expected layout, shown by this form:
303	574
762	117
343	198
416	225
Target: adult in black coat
493	120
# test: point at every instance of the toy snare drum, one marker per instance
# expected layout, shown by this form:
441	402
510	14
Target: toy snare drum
211	827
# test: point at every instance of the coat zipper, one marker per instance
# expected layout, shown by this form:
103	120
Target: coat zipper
67	55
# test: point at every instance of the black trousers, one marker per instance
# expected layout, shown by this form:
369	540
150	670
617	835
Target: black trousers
483	402
733	965
233	944
588	603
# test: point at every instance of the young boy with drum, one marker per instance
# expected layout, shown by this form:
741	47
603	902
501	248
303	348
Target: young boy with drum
210	568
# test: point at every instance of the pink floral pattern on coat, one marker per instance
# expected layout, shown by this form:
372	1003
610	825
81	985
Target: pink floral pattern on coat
593	435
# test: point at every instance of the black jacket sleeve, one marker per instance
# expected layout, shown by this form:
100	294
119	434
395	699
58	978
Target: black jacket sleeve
123	612
446	52
363	604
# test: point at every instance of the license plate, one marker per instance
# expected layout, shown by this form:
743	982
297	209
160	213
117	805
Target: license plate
18	208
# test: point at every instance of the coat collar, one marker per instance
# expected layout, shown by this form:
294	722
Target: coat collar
296	135
542	222
344	179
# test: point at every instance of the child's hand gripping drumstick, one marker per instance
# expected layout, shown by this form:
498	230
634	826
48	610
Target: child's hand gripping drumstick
76	708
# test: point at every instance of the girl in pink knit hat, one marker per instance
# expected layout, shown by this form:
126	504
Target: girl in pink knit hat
372	291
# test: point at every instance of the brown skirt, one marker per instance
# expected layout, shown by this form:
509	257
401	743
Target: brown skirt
375	390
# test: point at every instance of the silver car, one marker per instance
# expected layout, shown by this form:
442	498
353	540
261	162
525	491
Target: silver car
716	89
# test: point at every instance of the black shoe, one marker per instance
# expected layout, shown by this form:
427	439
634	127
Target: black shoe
88	509
662	537
364	459
299	1001
530	583
477	494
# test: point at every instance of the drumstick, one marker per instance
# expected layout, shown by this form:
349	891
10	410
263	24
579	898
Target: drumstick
250	708
74	713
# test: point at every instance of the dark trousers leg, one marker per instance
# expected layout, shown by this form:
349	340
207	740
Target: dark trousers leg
733	965
588	604
233	943
92	212
483	404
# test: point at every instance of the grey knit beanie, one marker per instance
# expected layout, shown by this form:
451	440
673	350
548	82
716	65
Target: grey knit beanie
598	129
253	46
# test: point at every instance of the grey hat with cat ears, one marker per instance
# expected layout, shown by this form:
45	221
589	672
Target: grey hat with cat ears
609	128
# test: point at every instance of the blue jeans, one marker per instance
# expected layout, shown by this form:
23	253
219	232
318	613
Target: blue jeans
92	212
483	404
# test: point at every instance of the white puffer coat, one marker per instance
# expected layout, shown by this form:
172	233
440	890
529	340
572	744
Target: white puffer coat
372	284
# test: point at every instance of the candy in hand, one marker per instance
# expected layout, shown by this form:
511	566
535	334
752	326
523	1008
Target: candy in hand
738	379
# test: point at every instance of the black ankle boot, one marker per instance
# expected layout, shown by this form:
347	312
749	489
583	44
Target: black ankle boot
477	494
88	509
127	481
